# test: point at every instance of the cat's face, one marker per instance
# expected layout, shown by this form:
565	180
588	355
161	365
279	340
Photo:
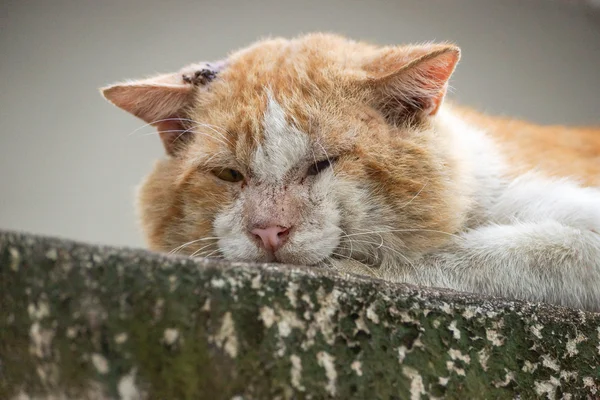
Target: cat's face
301	152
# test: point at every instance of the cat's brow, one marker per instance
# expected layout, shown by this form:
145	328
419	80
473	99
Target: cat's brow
283	145
224	158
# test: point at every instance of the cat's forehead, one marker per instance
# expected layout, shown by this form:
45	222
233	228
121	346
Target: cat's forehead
269	138
295	74
272	136
276	120
283	144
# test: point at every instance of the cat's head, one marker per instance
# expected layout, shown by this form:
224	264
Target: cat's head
301	151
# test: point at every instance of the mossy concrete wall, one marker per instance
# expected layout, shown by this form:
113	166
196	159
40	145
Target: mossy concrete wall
80	321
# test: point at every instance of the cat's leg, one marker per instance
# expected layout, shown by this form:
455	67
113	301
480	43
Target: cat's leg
532	198
544	261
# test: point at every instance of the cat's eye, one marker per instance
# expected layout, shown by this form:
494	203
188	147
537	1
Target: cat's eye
319	166
228	174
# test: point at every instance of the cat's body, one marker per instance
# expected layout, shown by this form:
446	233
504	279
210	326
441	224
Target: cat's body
554	151
323	151
531	235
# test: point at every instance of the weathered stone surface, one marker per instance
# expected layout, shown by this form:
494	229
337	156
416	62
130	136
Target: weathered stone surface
80	321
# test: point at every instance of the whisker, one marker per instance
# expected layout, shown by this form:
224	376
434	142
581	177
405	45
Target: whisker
200	249
211	253
195	124
343	256
157	121
416	195
167	131
205	253
405	230
184	245
176	249
345	235
184	131
367	266
199	133
381	245
212	127
326	155
223	130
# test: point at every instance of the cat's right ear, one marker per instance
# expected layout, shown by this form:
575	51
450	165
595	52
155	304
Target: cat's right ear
410	82
159	101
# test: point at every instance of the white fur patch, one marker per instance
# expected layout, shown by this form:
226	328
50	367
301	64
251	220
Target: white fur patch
284	145
480	159
534	198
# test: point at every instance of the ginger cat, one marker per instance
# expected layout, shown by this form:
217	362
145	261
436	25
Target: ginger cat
330	152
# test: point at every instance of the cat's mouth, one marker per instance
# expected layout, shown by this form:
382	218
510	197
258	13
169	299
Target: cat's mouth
272	258
301	246
295	259
287	258
291	256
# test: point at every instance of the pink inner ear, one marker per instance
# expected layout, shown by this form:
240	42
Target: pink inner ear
437	71
433	79
436	102
149	101
417	86
173	135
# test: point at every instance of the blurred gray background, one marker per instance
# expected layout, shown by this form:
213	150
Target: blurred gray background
68	164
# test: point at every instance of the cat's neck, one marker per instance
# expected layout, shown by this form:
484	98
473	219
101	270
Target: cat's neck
482	167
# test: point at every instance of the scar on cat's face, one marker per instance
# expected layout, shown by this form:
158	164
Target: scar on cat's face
299	151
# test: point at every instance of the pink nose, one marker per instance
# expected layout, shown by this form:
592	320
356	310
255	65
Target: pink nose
272	237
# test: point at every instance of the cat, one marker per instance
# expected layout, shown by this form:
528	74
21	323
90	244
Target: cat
324	151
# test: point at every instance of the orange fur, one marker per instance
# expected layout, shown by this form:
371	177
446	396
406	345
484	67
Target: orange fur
557	151
366	105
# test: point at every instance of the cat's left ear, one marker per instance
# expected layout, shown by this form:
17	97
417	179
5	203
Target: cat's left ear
408	82
162	100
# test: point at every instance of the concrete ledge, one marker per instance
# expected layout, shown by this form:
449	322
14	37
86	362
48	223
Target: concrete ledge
81	321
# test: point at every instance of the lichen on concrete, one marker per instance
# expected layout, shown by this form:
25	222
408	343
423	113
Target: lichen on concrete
81	321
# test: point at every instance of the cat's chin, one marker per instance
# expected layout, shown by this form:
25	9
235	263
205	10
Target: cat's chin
296	258
289	261
305	247
286	258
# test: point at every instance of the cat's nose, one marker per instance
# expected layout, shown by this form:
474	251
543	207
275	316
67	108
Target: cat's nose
272	237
